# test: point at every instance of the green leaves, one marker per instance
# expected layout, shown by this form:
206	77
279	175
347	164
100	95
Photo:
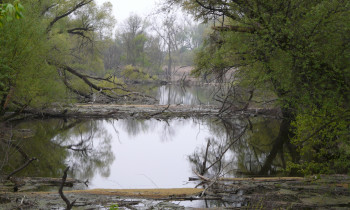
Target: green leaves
301	49
10	11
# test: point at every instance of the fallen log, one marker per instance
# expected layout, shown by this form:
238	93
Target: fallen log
254	179
35	183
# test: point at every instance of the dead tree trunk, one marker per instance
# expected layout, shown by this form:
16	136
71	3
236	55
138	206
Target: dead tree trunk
60	191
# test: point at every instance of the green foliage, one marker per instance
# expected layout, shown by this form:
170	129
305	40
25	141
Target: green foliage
114	207
10	11
32	48
135	45
300	50
24	69
36	144
323	141
134	73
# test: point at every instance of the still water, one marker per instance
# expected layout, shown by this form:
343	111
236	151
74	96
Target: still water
147	154
175	94
130	153
194	95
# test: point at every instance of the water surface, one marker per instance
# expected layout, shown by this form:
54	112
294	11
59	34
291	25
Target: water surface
130	153
175	94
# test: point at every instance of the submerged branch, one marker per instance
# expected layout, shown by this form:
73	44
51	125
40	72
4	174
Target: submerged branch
204	166
227	148
60	191
21	168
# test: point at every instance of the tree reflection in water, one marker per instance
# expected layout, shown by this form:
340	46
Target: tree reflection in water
186	95
243	147
82	144
238	147
89	149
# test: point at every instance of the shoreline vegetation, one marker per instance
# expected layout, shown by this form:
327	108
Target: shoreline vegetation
280	59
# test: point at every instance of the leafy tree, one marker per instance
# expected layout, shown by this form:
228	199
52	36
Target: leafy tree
300	51
25	77
154	53
10	11
54	53
133	39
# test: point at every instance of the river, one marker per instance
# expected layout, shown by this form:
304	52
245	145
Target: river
131	153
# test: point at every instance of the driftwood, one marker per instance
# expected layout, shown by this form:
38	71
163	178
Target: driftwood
25	184
320	192
60	191
200	176
280	192
204	165
158	113
255	179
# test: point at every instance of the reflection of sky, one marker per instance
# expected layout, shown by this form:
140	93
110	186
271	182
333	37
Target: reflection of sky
130	153
173	94
152	159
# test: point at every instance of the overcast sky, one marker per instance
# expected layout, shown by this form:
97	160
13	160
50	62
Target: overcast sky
123	8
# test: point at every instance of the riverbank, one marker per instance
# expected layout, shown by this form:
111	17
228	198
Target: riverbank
320	192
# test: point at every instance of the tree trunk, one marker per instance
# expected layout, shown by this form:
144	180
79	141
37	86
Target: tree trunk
168	72
283	137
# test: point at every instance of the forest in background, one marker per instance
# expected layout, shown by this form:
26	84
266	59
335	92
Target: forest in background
62	51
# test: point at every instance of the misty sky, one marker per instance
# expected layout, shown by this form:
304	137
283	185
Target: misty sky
123	8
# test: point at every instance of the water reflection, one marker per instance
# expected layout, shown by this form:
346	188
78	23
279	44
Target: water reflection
130	153
248	148
83	144
150	153
175	94
89	149
193	95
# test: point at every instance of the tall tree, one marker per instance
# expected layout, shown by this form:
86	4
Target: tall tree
133	38
169	31
298	49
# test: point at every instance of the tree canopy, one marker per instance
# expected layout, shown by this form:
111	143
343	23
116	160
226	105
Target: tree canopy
10	11
297	49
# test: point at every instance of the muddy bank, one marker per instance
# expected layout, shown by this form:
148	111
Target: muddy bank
324	192
100	199
316	192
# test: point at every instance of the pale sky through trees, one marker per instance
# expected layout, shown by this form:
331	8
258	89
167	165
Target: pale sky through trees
123	8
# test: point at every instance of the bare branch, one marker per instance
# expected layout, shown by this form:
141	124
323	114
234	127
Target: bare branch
47	9
100	89
227	148
60	191
80	4
204	166
166	108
